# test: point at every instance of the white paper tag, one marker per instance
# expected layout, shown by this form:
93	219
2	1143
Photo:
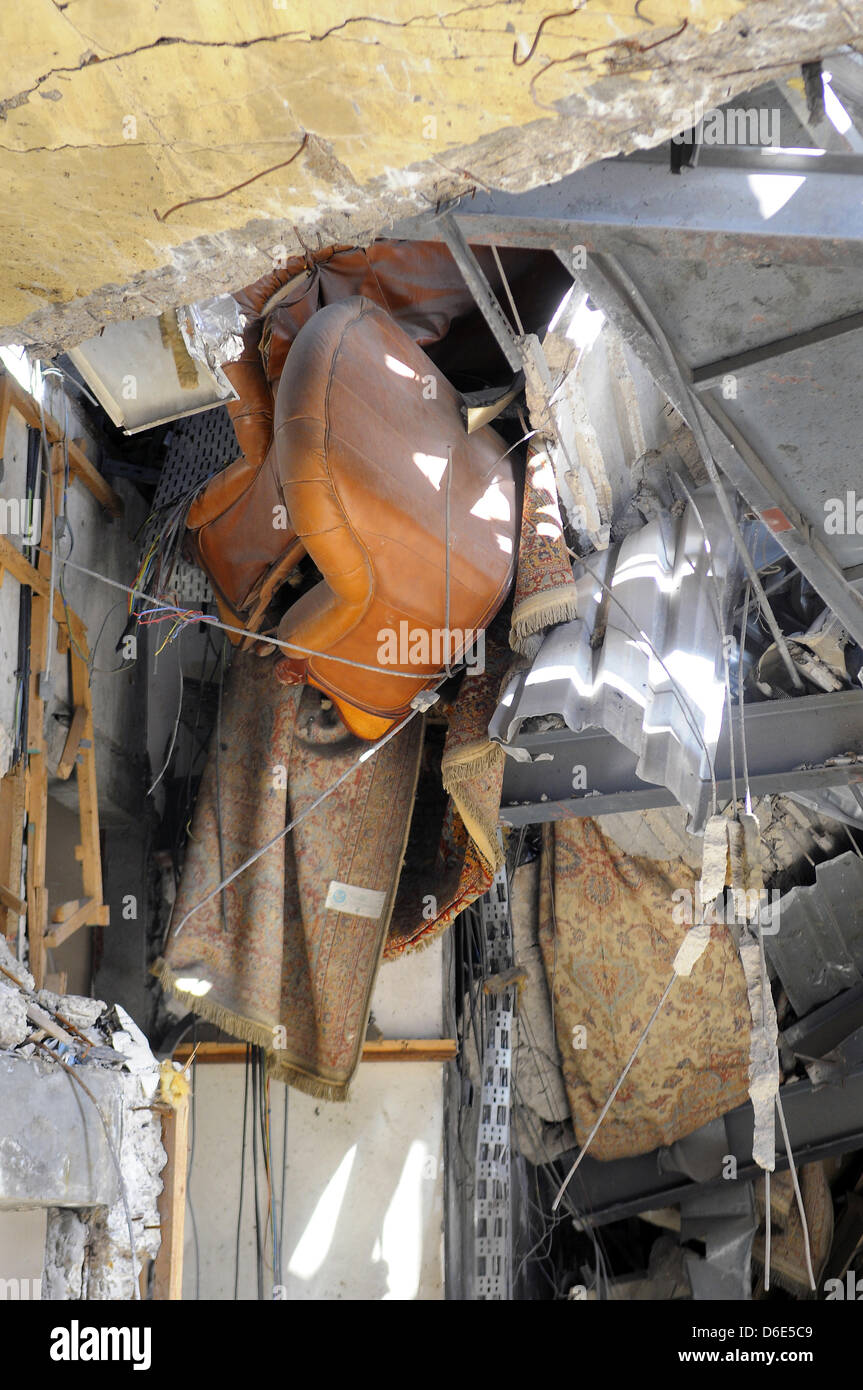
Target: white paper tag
358	902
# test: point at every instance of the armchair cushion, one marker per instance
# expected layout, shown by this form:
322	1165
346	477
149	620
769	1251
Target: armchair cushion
378	475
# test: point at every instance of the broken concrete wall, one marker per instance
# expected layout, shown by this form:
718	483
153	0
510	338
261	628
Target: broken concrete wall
93	1255
79	1134
112	116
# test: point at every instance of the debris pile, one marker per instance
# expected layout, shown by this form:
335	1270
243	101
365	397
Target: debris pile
91	1253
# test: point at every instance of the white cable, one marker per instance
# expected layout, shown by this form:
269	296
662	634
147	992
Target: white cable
518	323
158	779
171	608
247	863
617	1085
797	1193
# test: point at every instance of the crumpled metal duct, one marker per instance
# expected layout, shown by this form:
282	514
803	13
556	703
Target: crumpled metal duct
212	330
818	951
662	698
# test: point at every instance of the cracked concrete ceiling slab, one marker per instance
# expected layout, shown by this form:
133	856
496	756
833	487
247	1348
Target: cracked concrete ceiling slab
145	151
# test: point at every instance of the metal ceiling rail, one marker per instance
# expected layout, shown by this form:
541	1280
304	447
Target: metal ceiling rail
482	292
801	207
706	377
780	734
740	205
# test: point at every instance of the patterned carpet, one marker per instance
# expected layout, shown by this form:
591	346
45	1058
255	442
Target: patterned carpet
285	970
608	940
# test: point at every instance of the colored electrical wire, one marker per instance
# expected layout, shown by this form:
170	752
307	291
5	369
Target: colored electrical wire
269	638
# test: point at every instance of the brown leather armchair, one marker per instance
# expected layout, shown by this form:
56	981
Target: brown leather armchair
420	286
232	537
418	283
410	521
397	575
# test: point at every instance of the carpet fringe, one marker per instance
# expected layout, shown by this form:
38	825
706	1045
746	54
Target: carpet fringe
244	1029
470	762
301	1081
539	612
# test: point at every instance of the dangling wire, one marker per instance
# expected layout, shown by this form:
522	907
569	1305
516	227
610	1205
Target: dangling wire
617	1085
518	323
242	1172
740	702
297	820
797	1193
292	647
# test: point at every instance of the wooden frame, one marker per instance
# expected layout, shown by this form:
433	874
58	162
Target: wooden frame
12	394
25	789
168	1272
381	1050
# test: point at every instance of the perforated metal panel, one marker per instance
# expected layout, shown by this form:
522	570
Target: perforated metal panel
197	447
492	1202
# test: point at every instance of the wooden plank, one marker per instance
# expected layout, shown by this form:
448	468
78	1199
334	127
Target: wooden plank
97	913
13	788
5	406
37	798
35	779
21	569
168	1273
73	740
37	914
72	916
385	1050
37	776
12	901
79	464
66	910
12	560
88	806
88	802
411	1050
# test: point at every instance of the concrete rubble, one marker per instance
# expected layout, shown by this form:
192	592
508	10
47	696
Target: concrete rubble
94	1159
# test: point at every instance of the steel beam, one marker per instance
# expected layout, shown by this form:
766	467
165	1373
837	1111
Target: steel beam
798	207
821	1122
740	463
706	377
822	729
799	539
482	292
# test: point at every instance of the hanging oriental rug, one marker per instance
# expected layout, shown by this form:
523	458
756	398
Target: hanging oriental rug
287	956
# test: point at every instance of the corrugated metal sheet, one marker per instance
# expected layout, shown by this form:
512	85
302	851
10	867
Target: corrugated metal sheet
662	697
818	950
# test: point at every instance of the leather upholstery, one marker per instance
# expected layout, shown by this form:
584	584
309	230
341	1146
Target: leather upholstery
417	282
363	445
230	531
229	534
232	536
